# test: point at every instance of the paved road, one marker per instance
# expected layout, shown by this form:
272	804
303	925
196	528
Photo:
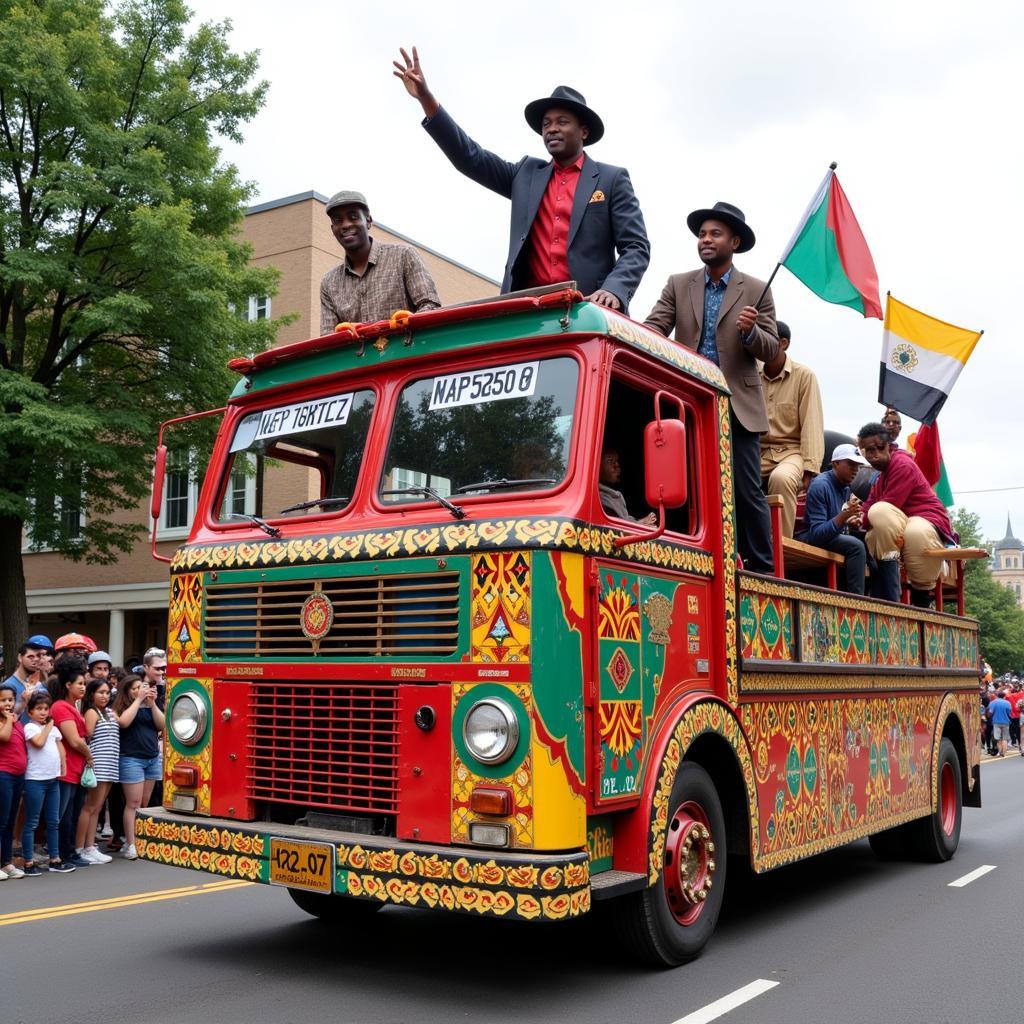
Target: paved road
843	937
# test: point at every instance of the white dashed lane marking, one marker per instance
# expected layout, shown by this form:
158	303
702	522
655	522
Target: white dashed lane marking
722	1006
972	876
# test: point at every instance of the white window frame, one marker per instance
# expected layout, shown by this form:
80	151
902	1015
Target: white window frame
250	495
27	546
165	532
258	303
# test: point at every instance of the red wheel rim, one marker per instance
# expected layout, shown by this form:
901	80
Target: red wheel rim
689	866
947	799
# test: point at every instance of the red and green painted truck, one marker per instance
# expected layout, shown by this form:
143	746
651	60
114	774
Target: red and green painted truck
413	660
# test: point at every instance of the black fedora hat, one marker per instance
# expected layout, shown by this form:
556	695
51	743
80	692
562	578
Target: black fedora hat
729	214
567	98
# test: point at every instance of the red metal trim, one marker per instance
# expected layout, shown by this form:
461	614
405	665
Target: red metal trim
442	317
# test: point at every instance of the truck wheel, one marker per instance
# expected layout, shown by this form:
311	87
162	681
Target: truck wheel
333	909
936	837
670	923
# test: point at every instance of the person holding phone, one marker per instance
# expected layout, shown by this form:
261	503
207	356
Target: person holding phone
141	722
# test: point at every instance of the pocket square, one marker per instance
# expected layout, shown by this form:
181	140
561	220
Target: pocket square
597	197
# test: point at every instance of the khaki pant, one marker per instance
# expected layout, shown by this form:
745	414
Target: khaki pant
886	524
785	473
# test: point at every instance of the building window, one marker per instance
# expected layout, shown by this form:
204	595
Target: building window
259	307
181	489
240	494
59	511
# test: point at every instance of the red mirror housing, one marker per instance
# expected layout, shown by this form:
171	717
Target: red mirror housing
665	463
159	472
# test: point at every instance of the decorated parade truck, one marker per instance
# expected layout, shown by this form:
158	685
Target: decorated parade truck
414	659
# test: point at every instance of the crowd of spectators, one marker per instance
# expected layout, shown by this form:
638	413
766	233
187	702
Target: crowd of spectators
80	753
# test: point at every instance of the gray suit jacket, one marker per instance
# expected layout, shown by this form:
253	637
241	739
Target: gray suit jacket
681	309
605	214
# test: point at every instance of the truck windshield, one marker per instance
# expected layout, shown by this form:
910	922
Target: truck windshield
297	457
497	429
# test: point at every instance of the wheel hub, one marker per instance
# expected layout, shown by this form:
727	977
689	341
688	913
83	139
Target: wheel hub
689	863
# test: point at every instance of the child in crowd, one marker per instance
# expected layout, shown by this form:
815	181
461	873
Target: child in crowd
104	736
46	763
13	761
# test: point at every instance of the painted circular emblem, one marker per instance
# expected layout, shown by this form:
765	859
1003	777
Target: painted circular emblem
904	357
317	616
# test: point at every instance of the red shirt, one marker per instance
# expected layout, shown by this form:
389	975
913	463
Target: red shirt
902	484
549	237
64	711
13	755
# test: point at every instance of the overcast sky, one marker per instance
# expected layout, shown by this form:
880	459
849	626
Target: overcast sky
920	104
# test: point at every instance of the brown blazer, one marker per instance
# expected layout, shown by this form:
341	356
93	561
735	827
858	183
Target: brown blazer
681	309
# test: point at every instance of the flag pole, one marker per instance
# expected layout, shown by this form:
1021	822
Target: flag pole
832	167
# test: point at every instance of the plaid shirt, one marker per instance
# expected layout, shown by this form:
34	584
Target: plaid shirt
394	278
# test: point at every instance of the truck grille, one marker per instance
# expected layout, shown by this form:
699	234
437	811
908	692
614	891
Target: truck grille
327	745
374	616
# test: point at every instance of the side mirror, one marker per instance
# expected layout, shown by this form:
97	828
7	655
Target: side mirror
665	463
159	472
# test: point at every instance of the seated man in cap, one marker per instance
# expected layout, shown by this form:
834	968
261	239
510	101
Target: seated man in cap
830	512
376	278
793	446
903	516
729	317
570	214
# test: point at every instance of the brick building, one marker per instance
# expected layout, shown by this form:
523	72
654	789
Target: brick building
1008	563
123	607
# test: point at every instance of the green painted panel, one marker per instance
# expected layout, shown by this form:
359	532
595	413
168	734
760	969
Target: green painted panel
557	659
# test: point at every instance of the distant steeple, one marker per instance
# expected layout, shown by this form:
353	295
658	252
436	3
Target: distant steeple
1009	542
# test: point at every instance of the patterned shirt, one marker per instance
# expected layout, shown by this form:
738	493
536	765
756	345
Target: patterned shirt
394	278
714	292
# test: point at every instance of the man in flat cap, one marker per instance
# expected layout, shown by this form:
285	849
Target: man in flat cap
376	278
570	214
716	310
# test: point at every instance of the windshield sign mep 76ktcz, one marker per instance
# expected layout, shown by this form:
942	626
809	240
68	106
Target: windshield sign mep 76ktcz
292	419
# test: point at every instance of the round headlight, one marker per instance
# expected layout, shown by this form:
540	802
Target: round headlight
188	718
491	731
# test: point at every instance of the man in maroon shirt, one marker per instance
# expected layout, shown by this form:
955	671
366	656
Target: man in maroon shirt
573	217
903	514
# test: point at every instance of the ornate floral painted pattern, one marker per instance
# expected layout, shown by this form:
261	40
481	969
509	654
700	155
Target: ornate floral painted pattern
698	719
184	618
480	884
500	610
829	771
557	534
202	758
729	552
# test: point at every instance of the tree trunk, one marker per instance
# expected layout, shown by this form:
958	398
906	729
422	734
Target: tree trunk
13	606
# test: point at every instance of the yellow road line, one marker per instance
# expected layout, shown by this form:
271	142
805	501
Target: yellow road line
116	902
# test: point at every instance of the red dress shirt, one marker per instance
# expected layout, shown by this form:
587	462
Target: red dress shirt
549	237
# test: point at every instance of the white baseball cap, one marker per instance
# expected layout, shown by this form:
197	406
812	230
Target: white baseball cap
849	451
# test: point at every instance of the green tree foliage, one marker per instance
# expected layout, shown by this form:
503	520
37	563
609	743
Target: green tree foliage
120	263
992	604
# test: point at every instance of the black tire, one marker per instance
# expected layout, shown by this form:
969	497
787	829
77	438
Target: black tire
334	909
936	837
659	924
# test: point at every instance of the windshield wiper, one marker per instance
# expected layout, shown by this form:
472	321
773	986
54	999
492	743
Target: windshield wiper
502	484
256	521
429	492
326	502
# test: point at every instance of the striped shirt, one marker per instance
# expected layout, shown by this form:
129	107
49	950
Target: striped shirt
105	744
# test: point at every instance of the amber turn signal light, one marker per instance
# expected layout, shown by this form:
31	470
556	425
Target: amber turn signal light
491	800
185	776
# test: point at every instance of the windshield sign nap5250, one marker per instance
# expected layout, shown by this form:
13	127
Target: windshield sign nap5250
490	385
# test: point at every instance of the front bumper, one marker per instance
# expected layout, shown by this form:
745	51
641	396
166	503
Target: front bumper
521	885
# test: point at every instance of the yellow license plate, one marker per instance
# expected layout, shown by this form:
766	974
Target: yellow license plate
302	865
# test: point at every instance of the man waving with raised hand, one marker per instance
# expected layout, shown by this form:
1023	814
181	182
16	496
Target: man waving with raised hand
572	217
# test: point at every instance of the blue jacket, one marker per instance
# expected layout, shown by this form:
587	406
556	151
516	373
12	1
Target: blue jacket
825	499
598	227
